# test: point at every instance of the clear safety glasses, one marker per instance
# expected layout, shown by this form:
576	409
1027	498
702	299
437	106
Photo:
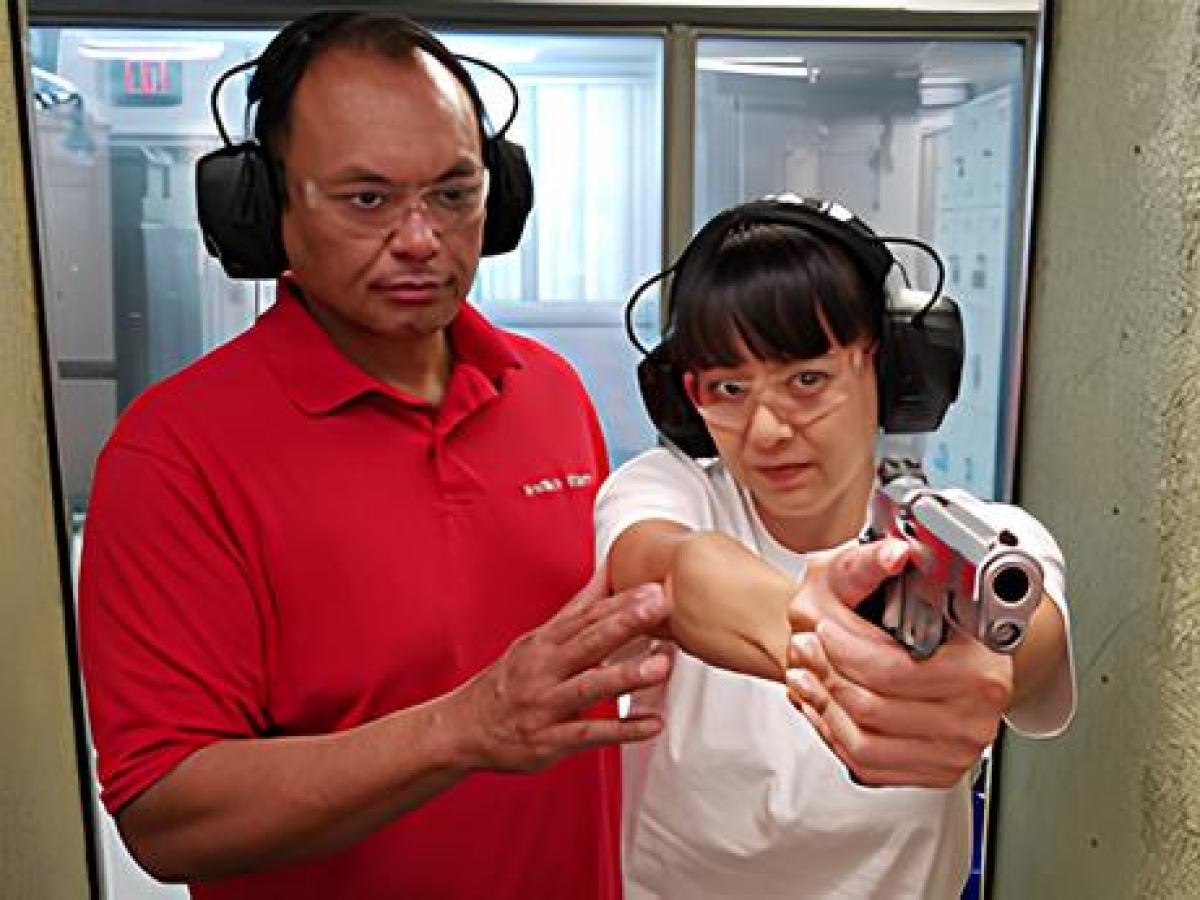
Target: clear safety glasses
375	207
798	393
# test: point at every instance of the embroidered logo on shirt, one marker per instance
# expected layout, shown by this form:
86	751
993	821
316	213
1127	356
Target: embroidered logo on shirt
572	481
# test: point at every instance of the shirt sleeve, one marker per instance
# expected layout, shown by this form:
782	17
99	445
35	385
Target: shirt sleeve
658	484
1048	712
171	635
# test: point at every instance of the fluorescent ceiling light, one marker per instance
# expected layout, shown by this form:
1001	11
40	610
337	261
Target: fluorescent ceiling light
780	66
943	90
151	51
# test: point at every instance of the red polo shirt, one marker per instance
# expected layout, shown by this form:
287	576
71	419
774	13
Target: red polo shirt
279	544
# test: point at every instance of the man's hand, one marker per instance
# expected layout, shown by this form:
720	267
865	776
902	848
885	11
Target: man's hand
891	719
530	707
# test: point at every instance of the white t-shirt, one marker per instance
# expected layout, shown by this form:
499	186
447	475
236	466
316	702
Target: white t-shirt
738	797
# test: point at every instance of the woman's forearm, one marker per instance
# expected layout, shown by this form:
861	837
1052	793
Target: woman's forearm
729	606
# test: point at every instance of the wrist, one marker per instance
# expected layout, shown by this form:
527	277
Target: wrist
456	729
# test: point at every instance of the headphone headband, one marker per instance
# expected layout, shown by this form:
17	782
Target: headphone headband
831	221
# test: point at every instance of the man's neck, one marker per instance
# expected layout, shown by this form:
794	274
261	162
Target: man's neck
418	365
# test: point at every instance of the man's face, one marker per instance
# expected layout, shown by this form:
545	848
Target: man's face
799	435
379	159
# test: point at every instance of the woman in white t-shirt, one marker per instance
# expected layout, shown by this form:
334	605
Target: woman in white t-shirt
775	338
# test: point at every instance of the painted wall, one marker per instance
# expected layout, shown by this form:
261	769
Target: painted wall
1110	459
41	827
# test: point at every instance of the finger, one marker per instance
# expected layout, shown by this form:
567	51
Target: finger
805	651
584	734
891	761
632	613
808	689
588	688
815	720
873	778
565	622
567	627
961	667
922	719
875	660
857	569
570	622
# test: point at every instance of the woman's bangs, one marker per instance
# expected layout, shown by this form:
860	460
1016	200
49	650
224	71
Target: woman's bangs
760	297
774	291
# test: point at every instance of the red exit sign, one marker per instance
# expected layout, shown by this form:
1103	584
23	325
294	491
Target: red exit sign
143	77
146	82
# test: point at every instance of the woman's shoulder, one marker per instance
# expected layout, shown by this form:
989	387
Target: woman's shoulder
670	464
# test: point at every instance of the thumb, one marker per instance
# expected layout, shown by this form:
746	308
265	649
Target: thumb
858	569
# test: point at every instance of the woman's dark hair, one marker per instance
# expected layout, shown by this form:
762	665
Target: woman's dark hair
781	290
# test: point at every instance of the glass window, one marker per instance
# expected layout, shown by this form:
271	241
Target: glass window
917	138
590	118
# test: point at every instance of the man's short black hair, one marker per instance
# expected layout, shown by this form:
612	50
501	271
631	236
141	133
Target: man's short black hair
781	290
288	56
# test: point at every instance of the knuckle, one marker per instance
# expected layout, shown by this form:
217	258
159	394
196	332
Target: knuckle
592	689
584	694
526	732
585	732
996	690
857	750
594	644
965	758
867	709
629	676
984	734
528	641
843	566
602	609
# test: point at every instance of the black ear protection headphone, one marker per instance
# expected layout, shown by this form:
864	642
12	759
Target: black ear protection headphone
920	357
238	187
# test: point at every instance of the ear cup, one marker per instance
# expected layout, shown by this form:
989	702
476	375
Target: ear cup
238	208
669	407
921	362
510	196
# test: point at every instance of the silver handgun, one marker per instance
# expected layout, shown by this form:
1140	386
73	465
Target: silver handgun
963	571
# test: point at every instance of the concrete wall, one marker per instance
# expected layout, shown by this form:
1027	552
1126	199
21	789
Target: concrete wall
41	828
1110	459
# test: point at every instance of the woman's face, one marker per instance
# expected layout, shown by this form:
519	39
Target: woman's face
799	436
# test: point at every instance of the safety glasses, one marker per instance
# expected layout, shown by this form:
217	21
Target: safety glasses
377	207
798	393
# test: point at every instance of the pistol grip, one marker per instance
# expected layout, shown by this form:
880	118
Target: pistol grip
894	607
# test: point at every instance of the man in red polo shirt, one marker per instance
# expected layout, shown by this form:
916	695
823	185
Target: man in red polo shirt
322	602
